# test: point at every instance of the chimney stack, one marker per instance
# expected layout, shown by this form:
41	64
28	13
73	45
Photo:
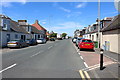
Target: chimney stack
36	21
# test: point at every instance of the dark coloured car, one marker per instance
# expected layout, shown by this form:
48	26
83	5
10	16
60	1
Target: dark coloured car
31	42
52	39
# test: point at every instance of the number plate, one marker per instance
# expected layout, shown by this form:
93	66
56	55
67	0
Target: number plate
87	44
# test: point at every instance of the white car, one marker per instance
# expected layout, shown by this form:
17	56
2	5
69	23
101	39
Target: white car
41	40
74	40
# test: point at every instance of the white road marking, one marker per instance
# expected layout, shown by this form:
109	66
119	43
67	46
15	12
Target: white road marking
97	66
86	64
81	57
79	53
36	54
8	68
50	47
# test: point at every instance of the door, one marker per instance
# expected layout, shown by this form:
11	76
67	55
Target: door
23	37
8	37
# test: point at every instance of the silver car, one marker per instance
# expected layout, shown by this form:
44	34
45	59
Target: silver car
18	43
78	40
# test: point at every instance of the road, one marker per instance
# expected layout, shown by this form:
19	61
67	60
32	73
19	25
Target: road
57	59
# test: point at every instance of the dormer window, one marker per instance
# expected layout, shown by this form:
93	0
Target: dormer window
4	26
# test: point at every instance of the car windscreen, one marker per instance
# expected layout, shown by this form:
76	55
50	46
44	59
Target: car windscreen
40	39
14	40
89	41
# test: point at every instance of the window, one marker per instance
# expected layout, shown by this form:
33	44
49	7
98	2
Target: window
4	25
16	36
87	41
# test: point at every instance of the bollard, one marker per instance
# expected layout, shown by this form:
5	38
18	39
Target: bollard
101	61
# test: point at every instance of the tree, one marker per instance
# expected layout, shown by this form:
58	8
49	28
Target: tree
53	35
64	35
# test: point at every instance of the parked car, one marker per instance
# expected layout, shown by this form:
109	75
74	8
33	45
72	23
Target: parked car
31	42
41	40
74	39
78	40
86	44
52	39
18	43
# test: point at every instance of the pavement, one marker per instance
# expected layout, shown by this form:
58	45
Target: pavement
92	60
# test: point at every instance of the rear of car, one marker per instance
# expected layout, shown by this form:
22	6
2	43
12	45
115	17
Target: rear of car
13	43
86	44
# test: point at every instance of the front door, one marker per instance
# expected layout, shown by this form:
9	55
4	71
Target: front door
8	37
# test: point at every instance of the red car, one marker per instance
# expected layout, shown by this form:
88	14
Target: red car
86	44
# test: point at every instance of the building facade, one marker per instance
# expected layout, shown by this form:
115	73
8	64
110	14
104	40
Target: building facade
111	36
10	30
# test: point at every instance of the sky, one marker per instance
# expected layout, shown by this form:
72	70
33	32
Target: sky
59	16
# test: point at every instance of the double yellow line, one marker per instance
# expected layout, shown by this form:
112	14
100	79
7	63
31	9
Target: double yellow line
84	75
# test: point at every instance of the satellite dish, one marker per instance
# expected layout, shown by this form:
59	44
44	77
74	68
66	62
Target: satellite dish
117	4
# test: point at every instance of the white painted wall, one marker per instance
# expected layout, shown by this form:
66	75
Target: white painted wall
12	37
113	39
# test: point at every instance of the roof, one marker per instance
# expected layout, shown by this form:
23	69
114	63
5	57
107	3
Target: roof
38	26
16	27
115	24
35	30
3	16
47	33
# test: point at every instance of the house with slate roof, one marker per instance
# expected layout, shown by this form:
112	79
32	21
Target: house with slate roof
10	30
111	35
33	31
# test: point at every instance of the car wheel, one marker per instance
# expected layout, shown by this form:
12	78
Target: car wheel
20	46
80	49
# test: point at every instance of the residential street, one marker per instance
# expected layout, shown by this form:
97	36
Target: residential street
57	59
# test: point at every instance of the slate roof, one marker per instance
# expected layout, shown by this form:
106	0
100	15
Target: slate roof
14	26
115	24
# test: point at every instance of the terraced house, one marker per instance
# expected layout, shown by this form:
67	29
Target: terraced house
10	30
111	35
33	31
41	29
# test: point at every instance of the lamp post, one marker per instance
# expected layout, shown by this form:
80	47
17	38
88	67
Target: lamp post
98	19
100	50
